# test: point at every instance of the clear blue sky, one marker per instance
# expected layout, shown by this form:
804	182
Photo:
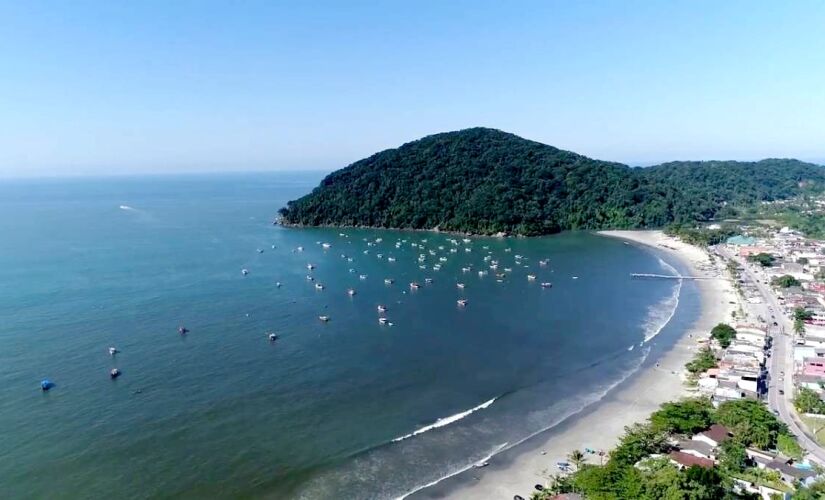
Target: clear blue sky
167	86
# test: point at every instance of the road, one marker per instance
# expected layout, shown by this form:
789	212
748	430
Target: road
781	364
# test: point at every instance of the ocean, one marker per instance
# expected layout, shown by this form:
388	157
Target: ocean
347	408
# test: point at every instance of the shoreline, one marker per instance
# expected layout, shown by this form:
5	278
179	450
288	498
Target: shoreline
601	424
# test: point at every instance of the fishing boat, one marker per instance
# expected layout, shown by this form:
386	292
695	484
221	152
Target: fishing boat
428	280
323	318
414	285
114	373
351	292
531	277
326	246
319	286
461	302
183	330
244	272
389	281
460	285
547	285
362	277
272	336
310	267
382	308
382	321
113	351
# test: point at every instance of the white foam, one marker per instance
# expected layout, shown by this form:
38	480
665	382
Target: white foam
659	315
506	446
441	422
126	207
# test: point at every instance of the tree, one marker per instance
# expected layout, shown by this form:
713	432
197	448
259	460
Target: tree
802	314
639	441
808	401
683	417
576	457
723	334
751	422
785	281
704	360
732	457
763	259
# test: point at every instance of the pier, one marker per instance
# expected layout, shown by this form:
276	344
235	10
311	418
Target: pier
669	276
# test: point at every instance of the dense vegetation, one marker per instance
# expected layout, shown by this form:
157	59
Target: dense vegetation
785	281
808	401
704	360
486	181
723	334
701	236
764	259
630	474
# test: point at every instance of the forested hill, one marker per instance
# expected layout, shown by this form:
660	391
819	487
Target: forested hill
485	181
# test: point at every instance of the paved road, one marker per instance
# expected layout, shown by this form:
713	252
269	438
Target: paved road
781	358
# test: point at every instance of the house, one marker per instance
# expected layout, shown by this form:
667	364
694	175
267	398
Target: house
759	457
697	448
684	460
789	473
716	435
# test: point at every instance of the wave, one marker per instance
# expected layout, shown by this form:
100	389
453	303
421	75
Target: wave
441	422
659	315
586	403
493	453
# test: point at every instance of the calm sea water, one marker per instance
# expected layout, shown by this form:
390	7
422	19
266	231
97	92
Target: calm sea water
344	409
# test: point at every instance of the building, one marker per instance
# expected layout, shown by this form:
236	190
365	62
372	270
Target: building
714	436
684	460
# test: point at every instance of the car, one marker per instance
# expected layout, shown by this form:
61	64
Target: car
776	412
781	392
775	323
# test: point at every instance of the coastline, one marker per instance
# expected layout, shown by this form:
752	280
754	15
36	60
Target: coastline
600	425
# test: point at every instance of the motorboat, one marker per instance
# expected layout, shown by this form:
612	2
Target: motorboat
547	285
323	318
382	308
351	292
389	281
310	267
183	330
362	277
428	280
244	271
319	286
531	277
414	285
272	336
461	302
114	373
460	285
113	351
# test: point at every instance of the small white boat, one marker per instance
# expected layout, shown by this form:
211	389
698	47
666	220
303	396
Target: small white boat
468	249
547	285
437	267
389	281
310	267
390	259
115	373
465	269
323	318
244	272
508	269
466	240
461	302
380	255
460	285
382	309
422	266
310	278
383	321
575	277
113	351
482	273
319	286
428	280
443	259
544	262
277	284
362	277
326	246
351	292
531	277
260	250
300	249
272	337
414	285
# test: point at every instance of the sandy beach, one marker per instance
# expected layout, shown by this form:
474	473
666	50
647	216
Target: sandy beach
599	426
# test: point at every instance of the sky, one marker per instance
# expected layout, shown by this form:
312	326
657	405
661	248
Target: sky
189	86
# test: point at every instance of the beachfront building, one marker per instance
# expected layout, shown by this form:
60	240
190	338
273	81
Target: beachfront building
714	436
684	460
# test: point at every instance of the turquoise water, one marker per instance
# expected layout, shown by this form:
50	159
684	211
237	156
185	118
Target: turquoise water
223	412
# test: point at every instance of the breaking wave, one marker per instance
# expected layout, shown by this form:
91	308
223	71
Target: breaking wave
441	422
659	315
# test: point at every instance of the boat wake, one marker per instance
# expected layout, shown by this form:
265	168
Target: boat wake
441	422
659	315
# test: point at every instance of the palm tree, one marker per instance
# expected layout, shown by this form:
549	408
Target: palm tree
576	457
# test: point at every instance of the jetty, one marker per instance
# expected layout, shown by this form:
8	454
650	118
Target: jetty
670	276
